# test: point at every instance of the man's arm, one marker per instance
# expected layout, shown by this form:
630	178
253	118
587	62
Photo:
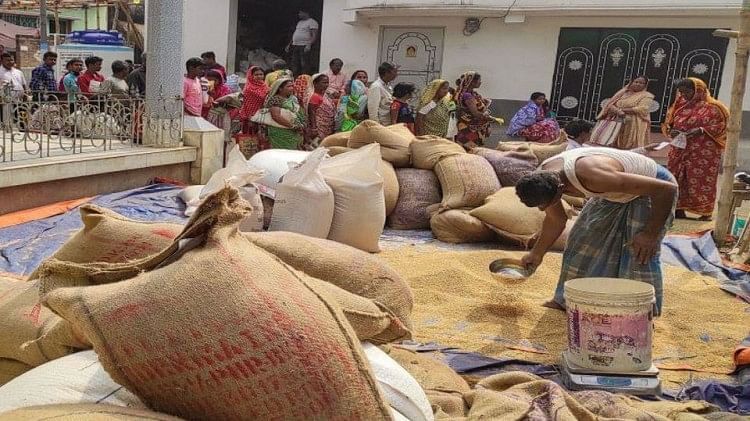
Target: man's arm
373	102
553	226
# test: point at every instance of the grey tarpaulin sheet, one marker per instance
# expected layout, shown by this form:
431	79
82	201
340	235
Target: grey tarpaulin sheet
23	247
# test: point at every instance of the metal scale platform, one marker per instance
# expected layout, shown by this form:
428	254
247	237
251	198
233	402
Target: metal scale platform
633	383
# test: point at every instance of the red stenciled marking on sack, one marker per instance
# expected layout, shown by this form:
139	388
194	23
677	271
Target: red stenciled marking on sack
33	315
128	311
119	251
165	232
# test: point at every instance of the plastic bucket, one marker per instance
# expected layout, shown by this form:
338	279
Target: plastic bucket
610	324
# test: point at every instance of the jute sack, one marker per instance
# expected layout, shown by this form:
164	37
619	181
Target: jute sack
427	151
84	412
466	180
31	334
418	190
336	140
112	238
544	152
346	267
443	386
10	369
576	202
76	378
338	150
391	188
509	217
508	170
393	140
458	226
244	337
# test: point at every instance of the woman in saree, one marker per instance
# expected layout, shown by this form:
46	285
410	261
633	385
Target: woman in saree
352	107
533	123
281	97
633	104
321	110
434	109
703	121
253	97
302	90
473	112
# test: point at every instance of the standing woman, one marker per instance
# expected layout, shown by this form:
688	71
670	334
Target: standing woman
352	108
434	109
281	97
361	76
302	90
533	123
633	104
703	121
320	108
253	98
473	115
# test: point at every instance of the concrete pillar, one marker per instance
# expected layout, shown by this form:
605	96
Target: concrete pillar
164	73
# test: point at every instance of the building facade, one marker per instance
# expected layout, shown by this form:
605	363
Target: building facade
579	52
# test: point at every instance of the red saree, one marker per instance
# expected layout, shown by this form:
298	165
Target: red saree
696	167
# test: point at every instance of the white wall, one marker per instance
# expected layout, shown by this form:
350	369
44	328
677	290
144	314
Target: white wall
206	27
514	59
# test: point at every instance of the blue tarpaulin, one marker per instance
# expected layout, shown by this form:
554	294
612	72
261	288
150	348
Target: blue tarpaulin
23	247
699	254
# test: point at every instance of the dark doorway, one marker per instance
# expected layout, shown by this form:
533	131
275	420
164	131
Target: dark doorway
264	28
594	63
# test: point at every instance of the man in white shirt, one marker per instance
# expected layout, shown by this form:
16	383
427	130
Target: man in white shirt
303	39
11	76
380	94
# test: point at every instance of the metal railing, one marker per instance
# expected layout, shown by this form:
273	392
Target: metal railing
50	124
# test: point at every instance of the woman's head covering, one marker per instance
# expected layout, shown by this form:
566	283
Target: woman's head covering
357	89
301	85
275	89
254	95
217	73
464	84
430	90
310	90
702	94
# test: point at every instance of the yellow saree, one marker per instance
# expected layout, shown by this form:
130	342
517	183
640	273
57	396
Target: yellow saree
636	131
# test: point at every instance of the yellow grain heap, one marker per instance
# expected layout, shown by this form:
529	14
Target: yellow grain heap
459	303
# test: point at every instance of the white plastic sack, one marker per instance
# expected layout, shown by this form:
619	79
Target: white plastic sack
400	389
254	221
359	212
191	196
304	202
75	378
275	163
236	174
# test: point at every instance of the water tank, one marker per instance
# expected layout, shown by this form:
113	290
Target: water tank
95	37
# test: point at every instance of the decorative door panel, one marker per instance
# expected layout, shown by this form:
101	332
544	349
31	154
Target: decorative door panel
417	51
594	63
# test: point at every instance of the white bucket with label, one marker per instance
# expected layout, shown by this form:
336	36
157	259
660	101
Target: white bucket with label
610	324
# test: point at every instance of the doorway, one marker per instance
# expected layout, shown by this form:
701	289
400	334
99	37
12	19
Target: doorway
264	29
418	51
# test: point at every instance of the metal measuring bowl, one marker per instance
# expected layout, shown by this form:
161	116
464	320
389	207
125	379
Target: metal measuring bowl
510	269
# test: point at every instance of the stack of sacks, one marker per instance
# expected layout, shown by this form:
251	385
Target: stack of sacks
340	139
508	169
304	202
274	163
394	141
32	334
418	190
245	315
513	221
359	202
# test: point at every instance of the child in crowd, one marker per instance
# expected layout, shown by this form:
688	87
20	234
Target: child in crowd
401	112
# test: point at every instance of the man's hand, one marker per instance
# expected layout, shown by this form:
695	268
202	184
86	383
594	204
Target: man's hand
308	48
288	48
531	261
644	247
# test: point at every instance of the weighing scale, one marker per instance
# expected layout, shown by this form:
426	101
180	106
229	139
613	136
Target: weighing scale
633	383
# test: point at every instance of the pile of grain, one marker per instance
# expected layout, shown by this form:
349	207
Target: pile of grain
459	303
